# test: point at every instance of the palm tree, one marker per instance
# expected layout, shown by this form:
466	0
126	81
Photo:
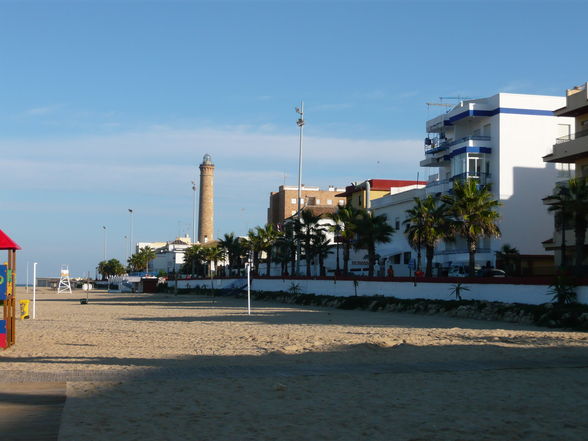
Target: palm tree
572	200
347	216
286	247
337	229
509	256
321	249
212	255
473	211
308	227
233	248
192	258
370	230
147	255
426	225
255	245
268	236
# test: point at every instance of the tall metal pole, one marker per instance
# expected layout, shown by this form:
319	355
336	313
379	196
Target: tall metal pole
300	123
34	290
131	233
104	228
194	212
126	249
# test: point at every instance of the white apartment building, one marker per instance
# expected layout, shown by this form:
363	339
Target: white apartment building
169	256
499	140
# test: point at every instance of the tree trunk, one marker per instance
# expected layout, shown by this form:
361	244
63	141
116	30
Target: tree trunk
371	259
472	263
346	258
430	254
580	232
269	263
307	254
338	267
293	262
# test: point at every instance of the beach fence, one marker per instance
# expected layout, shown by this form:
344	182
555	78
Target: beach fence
7	292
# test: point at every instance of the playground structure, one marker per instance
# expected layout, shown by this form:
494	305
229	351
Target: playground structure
7	292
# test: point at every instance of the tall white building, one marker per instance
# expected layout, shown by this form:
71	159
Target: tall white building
499	140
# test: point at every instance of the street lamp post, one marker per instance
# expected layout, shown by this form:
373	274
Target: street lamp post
104	228
126	245
300	124
131	233
194	212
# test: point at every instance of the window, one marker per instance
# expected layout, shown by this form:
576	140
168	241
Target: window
317	201
341	202
474	164
407	258
476	132
329	202
396	259
293	200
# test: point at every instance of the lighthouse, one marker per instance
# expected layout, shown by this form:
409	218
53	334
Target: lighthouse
206	205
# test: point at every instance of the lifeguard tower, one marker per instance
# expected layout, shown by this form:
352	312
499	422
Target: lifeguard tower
7	292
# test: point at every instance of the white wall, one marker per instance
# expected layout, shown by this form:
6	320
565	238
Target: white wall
524	178
529	294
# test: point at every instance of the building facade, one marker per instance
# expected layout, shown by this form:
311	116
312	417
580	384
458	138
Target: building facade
500	141
361	195
169	256
284	202
570	154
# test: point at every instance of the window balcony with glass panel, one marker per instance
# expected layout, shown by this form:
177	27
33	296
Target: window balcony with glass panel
437	145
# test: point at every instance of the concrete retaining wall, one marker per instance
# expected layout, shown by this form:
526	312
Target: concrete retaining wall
532	294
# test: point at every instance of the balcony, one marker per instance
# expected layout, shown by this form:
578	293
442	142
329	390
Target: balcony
569	148
438	186
471	141
482	178
572	137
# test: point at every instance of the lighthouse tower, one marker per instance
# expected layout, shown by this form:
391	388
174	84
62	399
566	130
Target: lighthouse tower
206	207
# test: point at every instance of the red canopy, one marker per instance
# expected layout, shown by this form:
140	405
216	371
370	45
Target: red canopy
6	243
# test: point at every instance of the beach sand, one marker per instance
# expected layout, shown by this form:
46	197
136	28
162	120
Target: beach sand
164	367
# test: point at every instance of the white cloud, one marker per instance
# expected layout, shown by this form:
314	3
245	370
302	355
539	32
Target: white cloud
40	111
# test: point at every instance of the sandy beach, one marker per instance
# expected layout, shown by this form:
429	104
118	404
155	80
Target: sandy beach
164	367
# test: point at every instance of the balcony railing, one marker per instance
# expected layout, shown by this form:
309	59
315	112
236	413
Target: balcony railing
572	136
438	186
435	148
483	178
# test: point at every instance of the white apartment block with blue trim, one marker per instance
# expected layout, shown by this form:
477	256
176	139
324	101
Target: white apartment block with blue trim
499	141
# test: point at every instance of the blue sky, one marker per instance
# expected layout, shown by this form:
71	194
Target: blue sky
106	106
